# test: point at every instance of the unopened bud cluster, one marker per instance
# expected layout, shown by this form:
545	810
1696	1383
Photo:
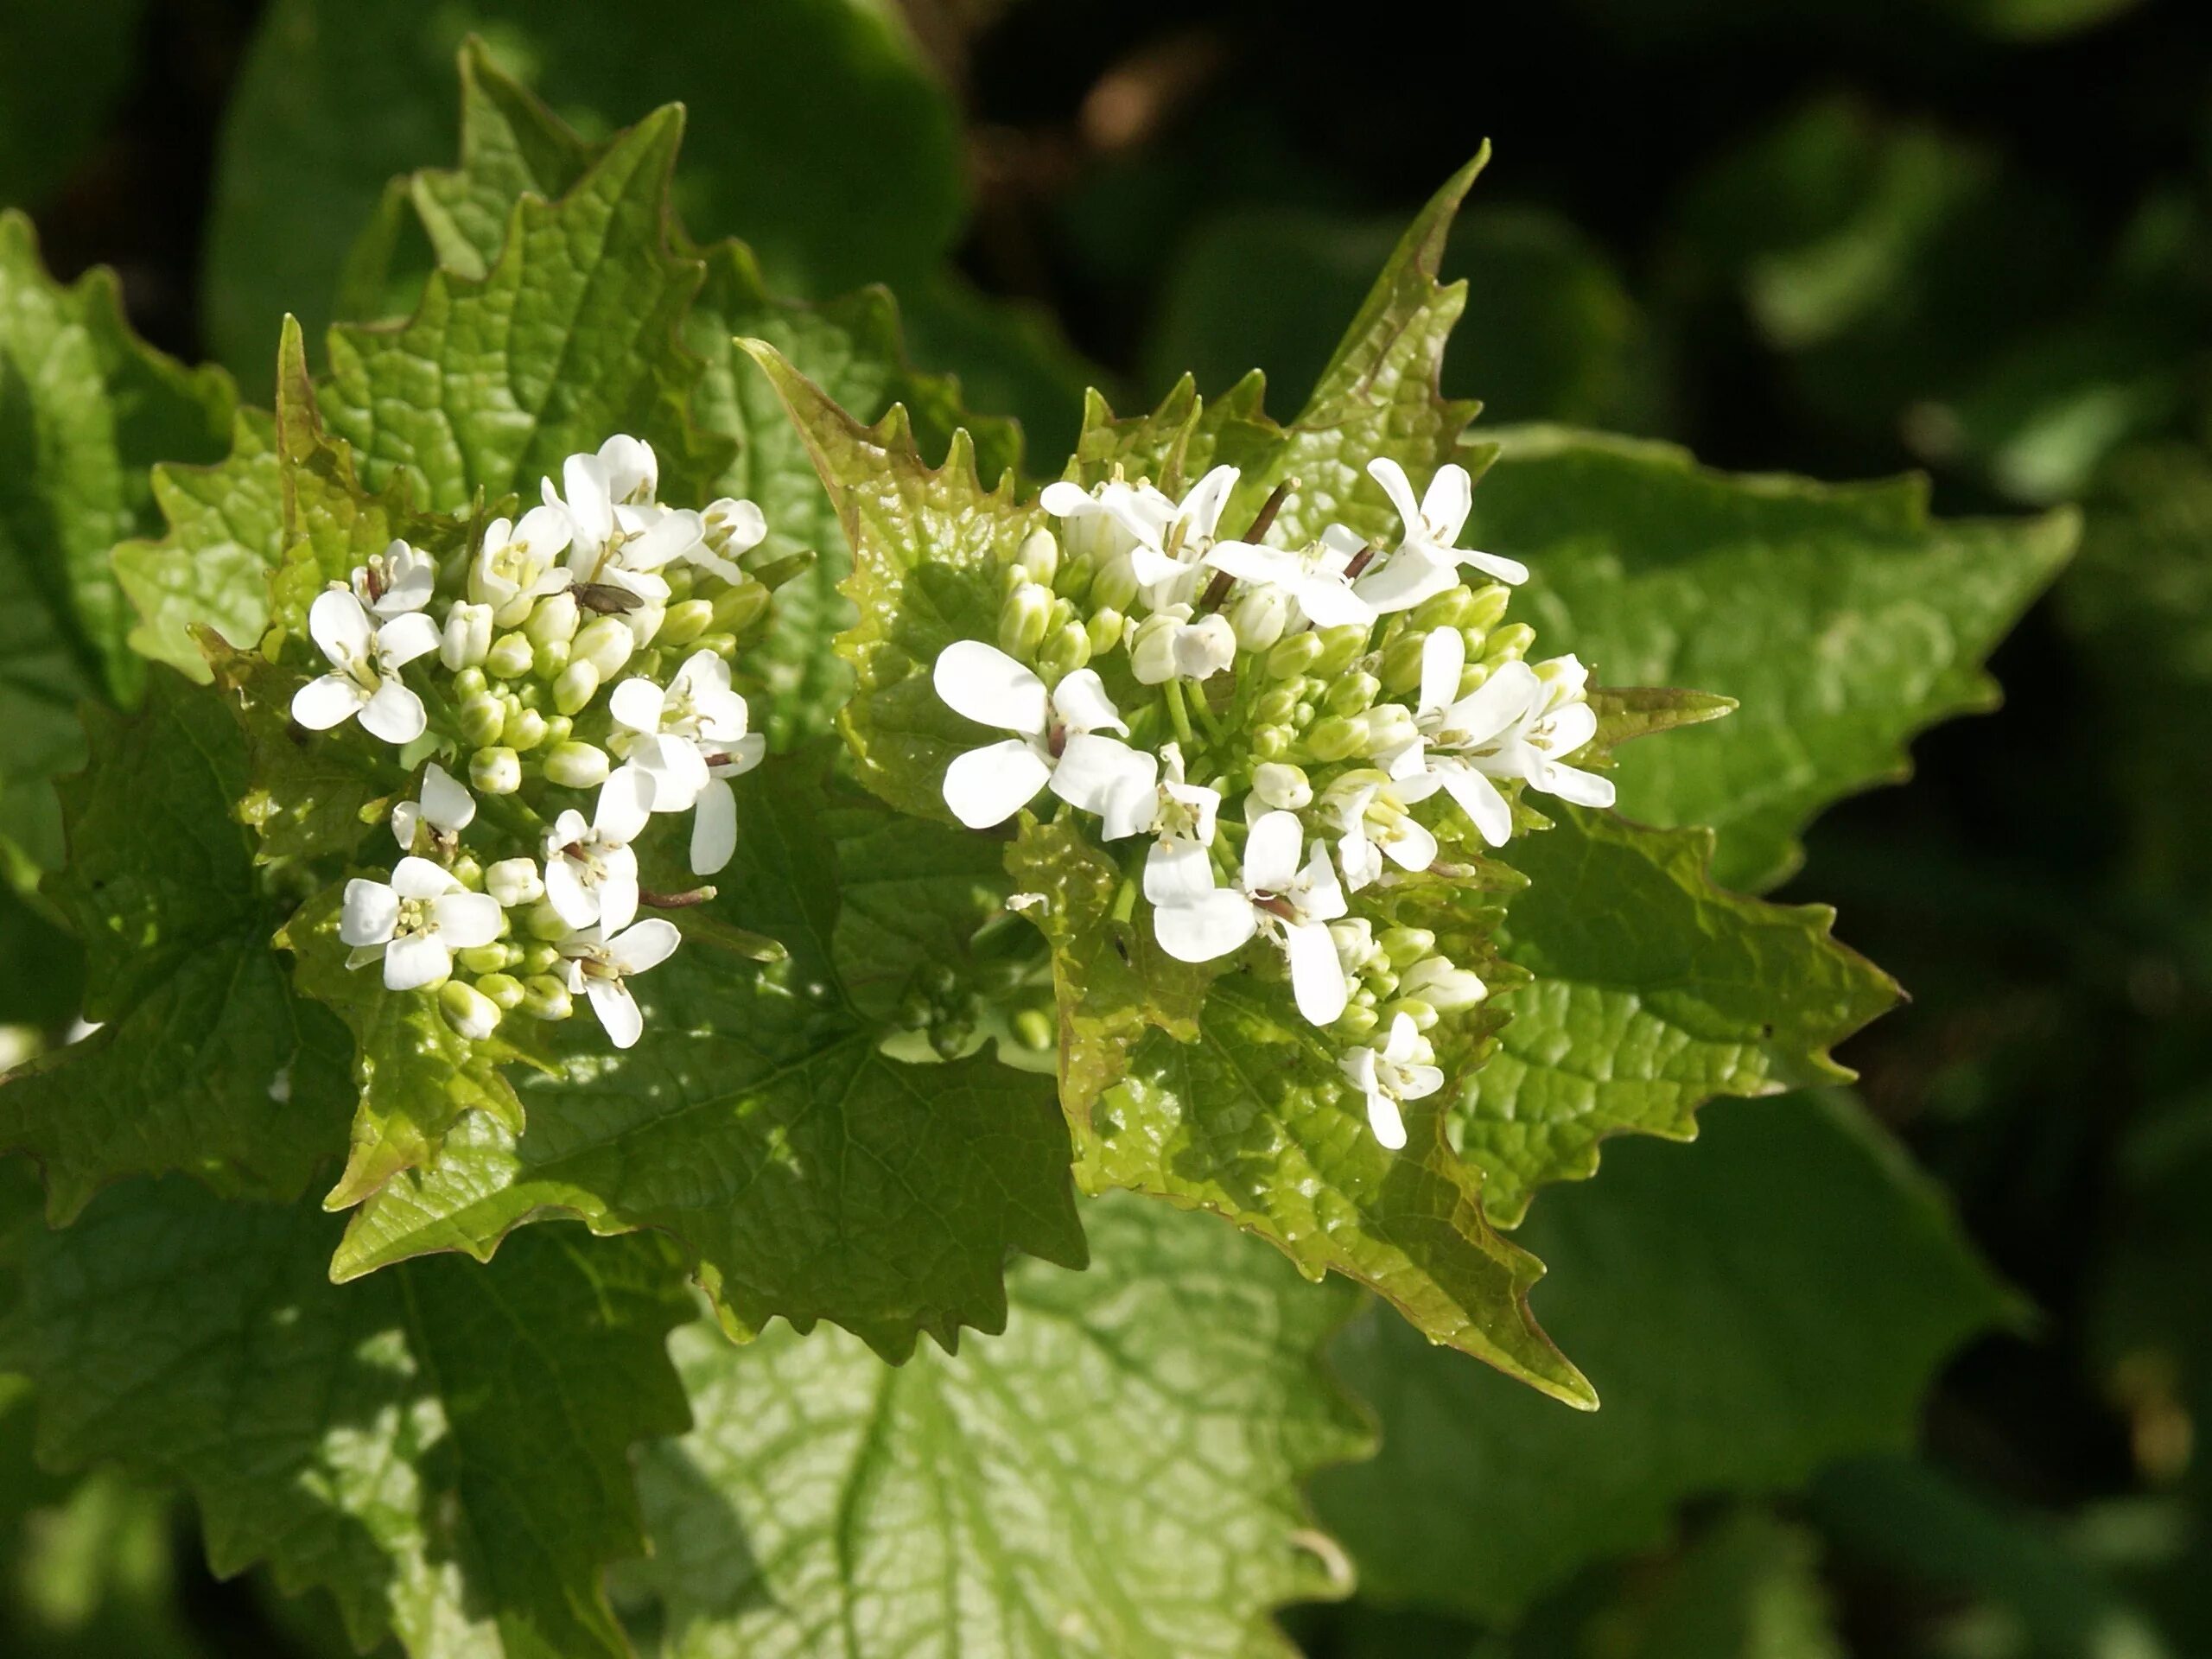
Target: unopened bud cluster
574	666
1279	738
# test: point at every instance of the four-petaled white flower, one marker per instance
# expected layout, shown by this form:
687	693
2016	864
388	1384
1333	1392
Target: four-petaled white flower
600	967
591	870
365	660
1314	577
1057	741
619	537
1426	563
1372	821
728	527
446	807
1289	905
518	564
414	922
672	733
1516	724
1400	1070
1095	523
395	581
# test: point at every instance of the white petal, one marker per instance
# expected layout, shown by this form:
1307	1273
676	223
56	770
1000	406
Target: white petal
331	701
369	914
1363	863
1510	571
1151	567
618	892
1383	1117
1330	602
395	714
404	638
418	878
1570	727
465	919
678	771
740	757
714	828
672	535
1271	852
989	785
722	714
991	688
1405	579
648	944
1392	477
1204	928
575	903
1443	659
1065	499
1316	979
584	480
418	960
626	801
1573	783
1412	847
1444	508
1404	1036
1178	871
1249	563
1093	771
1493	706
1201	508
1323	899
445	802
1082	703
637	703
617	1010
1479	799
748	525
1417	1082
406	818
339	625
547	531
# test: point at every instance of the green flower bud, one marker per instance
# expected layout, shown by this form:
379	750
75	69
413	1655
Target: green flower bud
558	729
1105	629
1072	580
1387	729
1336	738
1271	743
1509	643
525	731
1023	618
740	607
467	1010
468	873
1032	1029
541	921
724	645
683	580
1406	945
1039	557
1291	659
1339	645
482	958
511	656
686	622
1115	587
1401	663
505	990
538	957
1259	616
467	638
1276	705
513	882
555	618
1066	649
1284	787
495	770
1353	693
470	683
1422	1015
1448	989
1473	678
577	686
606	643
1449	609
548	660
482	719
1489	608
576	765
1357	1020
544	997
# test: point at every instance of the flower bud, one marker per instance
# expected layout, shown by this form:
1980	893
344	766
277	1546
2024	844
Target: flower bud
495	770
605	644
482	719
548	660
1276	705
577	686
1151	650
1401	667
1338	646
467	1010
1066	649
1291	658
1449	609
1105	630
1039	557
740	607
1473	678
539	957
1259	616
686	621
544	997
1271	743
576	765
1116	585
1489	608
724	645
541	921
1287	788
1447	990
470	683
1335	738
467	637
525	731
1406	945
1353	693
482	958
1387	729
644	623
510	656
1023	618
555	618
505	990
1509	643
514	881
1357	1020
683	581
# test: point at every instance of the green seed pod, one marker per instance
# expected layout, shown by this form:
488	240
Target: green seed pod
556	617
1066	649
544	997
686	622
511	655
1509	643
1406	945
576	765
525	731
467	1010
1292	657
1401	663
482	958
1339	646
1039	557
1336	738
577	686
1104	630
495	770
548	660
482	719
1353	693
1023	618
505	990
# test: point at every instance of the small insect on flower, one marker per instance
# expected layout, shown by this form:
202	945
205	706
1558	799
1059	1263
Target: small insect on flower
414	922
365	658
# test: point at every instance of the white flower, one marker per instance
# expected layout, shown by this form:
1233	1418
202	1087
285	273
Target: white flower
1400	1070
1426	563
672	733
1057	742
397	581
365	660
1511	726
600	966
1291	905
1314	577
1184	818
514	881
517	565
445	806
591	870
1169	645
1372	819
729	527
1169	545
1097	522
415	924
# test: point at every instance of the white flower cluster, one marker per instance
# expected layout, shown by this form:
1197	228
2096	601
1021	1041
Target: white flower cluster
1292	724
585	647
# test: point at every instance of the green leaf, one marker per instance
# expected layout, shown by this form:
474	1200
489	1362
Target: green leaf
804	1172
206	1061
1842	620
847	173
445	1449
1117	1474
84	410
1756	1306
1748	1588
64	66
1652	992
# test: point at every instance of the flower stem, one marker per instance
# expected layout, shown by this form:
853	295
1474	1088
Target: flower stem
1177	715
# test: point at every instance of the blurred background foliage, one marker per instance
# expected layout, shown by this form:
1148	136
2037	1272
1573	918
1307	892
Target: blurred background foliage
1971	237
